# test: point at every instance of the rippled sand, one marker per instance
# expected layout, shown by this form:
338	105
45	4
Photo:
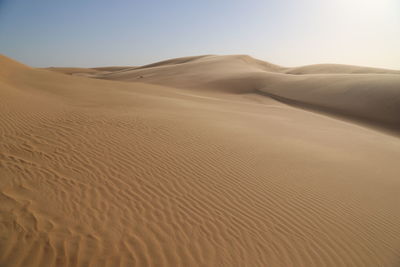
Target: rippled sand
199	161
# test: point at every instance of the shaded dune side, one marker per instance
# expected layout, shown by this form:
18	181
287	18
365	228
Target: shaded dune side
370	99
338	68
104	173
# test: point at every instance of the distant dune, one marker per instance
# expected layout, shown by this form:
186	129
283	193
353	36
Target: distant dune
366	95
199	161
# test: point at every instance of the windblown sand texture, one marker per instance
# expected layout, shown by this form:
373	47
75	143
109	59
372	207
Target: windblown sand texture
199	161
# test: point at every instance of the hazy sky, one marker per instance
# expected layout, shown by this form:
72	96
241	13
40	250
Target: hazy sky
128	32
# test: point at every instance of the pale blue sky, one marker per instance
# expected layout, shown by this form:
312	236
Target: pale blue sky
122	32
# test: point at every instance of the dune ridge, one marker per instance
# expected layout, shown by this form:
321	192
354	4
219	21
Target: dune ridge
189	165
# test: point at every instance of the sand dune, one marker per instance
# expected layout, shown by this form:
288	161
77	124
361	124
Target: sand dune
201	161
366	95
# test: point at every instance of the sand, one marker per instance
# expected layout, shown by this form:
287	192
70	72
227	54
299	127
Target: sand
199	161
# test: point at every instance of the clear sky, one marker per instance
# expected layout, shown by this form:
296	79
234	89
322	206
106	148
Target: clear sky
132	32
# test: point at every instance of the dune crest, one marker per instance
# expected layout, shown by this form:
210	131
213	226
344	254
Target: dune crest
196	162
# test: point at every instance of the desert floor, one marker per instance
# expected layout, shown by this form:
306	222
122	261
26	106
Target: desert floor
199	161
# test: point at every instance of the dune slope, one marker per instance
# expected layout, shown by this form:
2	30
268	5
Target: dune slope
109	173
